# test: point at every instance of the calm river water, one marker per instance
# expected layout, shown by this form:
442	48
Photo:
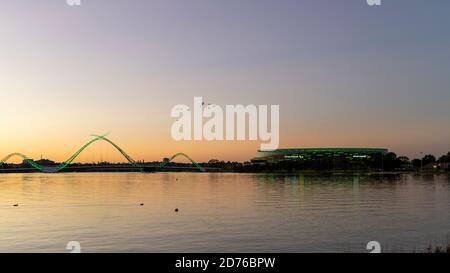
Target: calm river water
222	212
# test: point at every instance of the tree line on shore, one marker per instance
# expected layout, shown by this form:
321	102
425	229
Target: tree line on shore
395	162
375	162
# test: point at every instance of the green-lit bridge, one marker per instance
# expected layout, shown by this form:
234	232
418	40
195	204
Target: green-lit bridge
55	169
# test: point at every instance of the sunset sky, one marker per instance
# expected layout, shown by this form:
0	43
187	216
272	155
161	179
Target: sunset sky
344	74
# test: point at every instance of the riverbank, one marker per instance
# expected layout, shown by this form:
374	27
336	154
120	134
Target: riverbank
438	249
127	169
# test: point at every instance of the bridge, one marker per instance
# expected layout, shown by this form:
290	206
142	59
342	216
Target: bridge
131	162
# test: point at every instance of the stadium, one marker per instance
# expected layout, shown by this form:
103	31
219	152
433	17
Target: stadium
312	154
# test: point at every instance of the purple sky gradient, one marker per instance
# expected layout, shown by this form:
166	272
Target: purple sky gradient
343	73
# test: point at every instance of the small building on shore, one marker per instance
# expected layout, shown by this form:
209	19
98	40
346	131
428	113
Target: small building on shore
437	166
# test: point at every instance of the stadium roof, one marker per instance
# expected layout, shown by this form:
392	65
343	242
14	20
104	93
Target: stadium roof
326	150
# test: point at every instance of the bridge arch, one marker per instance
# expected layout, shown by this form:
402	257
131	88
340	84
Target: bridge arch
65	164
24	157
185	156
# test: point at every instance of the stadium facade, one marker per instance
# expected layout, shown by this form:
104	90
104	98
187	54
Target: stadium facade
310	154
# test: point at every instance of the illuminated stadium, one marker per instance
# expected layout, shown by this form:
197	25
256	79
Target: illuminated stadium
317	154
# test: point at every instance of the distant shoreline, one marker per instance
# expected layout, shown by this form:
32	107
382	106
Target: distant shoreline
178	170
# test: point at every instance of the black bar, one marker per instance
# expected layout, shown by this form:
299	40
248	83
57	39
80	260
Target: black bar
168	262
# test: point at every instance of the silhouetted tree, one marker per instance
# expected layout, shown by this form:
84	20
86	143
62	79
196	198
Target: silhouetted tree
404	159
213	161
417	162
444	158
391	162
428	159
